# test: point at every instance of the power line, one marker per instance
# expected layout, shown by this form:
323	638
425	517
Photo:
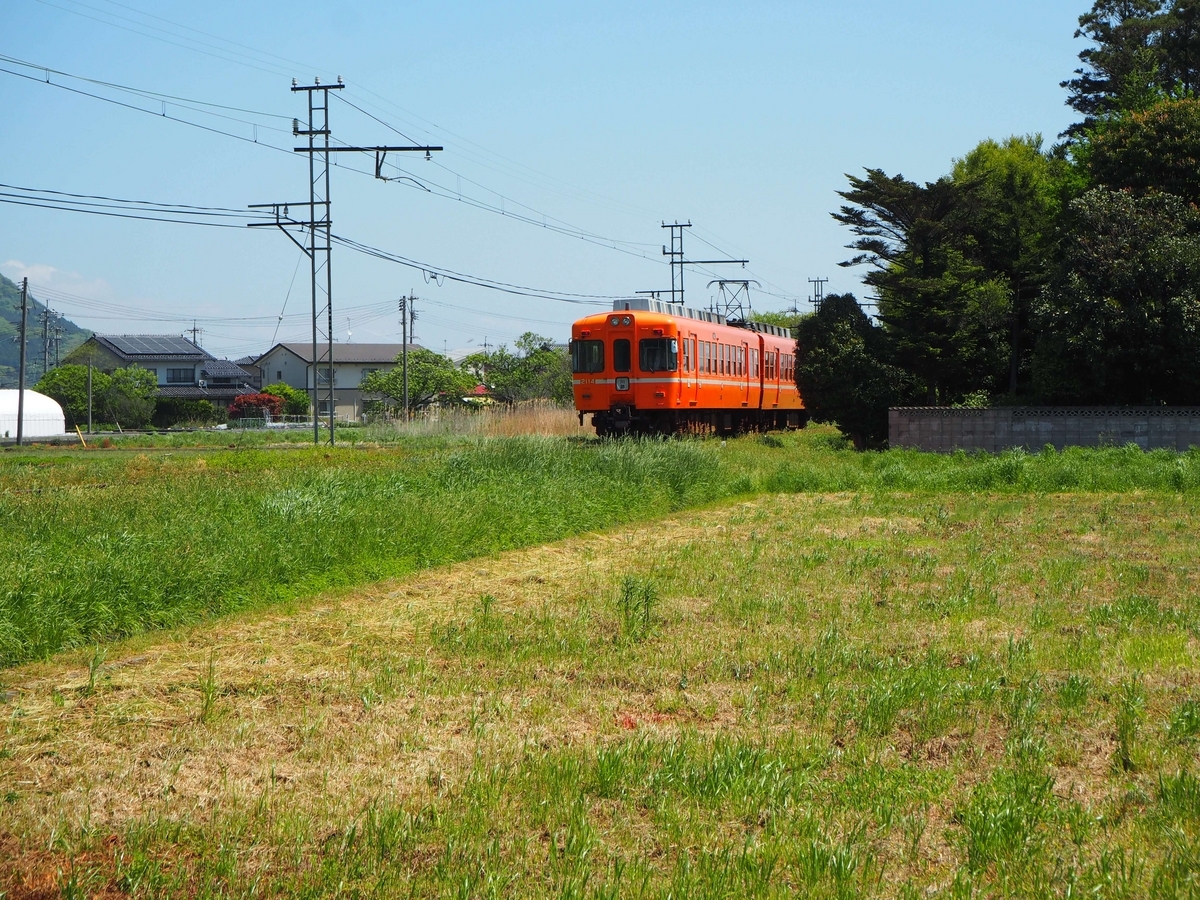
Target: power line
157	115
143	92
450	274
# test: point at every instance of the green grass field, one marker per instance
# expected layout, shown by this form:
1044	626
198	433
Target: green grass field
107	544
770	668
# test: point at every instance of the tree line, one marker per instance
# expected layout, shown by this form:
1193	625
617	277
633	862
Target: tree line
534	369
1031	274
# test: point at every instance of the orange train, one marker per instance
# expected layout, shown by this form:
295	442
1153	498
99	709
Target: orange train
650	367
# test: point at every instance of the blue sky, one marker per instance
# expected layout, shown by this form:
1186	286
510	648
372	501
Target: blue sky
742	118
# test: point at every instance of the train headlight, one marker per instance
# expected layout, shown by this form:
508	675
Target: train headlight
626	320
615	321
622	384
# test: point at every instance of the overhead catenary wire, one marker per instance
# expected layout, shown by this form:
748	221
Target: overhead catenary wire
449	274
257	59
150	112
545	221
505	209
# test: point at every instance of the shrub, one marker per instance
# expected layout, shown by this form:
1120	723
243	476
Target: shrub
256	405
175	410
295	401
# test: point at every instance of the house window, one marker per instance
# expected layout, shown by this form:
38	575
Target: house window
323	408
180	376
278	375
366	372
323	376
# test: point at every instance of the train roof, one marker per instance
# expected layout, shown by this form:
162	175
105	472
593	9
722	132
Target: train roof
648	304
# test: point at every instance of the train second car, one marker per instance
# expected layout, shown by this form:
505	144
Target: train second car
650	367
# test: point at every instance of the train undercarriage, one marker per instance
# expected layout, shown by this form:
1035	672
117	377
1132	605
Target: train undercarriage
628	420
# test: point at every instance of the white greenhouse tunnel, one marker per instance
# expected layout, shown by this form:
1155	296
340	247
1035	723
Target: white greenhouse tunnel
43	416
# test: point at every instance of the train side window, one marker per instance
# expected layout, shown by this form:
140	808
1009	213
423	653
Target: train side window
658	354
622	356
687	355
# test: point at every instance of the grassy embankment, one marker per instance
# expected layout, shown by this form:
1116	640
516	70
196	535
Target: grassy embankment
909	694
101	545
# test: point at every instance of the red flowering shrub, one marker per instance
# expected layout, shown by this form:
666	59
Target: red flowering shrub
249	406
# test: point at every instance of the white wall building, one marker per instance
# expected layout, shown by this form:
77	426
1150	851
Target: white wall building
291	363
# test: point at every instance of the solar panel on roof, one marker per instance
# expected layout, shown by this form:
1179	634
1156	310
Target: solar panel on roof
152	345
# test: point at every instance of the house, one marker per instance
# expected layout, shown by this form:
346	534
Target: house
292	363
184	369
250	365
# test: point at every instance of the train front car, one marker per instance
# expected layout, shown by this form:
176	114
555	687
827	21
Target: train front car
626	370
650	367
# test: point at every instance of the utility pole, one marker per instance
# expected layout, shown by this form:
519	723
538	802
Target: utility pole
89	391
408	317
195	332
319	226
58	333
46	316
21	364
678	261
818	296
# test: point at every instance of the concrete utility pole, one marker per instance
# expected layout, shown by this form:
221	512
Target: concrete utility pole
408	317
46	314
21	370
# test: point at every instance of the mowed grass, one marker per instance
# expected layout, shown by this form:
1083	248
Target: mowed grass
830	695
105	544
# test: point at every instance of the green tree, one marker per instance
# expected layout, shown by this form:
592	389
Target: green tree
130	396
536	371
843	373
1121	324
68	386
944	313
432	378
296	402
1157	149
1125	65
1016	195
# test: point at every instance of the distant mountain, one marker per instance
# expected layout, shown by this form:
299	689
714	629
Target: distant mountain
10	327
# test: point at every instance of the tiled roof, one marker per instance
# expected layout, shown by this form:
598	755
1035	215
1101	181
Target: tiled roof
219	394
222	368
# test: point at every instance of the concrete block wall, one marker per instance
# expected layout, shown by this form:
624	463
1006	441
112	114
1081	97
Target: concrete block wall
943	430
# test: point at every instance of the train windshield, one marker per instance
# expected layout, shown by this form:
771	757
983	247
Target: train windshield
658	355
587	356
